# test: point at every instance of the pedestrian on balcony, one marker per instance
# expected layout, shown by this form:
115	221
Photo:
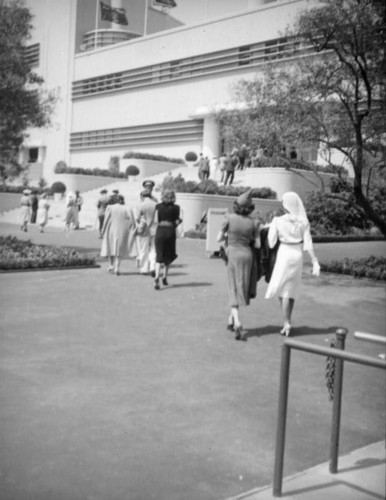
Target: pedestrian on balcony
230	167
293	231
167	218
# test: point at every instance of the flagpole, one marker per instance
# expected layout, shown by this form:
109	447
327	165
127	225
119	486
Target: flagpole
96	23
145	22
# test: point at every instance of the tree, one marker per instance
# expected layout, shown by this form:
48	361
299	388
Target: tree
334	98
23	102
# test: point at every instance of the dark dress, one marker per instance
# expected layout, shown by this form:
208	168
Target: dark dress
242	231
165	237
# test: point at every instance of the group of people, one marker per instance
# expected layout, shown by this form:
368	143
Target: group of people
242	235
34	209
146	232
223	169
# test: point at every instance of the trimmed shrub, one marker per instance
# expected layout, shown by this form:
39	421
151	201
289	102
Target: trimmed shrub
58	187
61	167
191	156
132	170
209	186
101	172
148	156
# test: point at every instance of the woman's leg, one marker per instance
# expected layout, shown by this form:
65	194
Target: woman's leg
157	273
111	266
117	264
165	275
236	322
287	306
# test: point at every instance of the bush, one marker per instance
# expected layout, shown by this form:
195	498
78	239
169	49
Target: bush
191	156
102	172
18	254
58	187
132	170
148	156
370	267
61	167
333	217
209	186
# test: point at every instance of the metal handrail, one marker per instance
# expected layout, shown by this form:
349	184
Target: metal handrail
377	339
341	356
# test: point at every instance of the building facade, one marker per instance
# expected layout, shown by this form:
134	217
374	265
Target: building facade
152	86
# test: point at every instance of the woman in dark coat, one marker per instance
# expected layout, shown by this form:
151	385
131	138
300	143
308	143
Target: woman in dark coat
242	233
167	218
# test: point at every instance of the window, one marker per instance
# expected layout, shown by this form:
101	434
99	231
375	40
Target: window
244	55
33	155
31	55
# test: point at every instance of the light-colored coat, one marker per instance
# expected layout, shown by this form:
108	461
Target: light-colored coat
118	231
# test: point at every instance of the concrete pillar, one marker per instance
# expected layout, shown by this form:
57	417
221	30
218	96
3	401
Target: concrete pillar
211	137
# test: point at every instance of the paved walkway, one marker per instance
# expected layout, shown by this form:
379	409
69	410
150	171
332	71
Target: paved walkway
109	389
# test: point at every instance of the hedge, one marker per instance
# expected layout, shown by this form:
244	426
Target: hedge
101	172
148	156
367	267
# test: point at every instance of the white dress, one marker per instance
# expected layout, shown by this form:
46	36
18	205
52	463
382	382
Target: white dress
43	208
294	236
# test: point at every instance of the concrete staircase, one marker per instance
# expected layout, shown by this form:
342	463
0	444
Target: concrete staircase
129	189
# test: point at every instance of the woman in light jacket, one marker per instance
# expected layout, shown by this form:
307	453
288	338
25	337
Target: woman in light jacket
118	234
293	231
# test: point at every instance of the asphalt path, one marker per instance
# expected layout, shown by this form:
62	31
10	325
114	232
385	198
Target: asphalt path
109	389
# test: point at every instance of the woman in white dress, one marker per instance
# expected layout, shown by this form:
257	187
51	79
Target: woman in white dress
293	231
42	216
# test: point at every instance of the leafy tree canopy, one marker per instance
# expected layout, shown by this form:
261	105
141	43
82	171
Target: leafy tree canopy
333	97
23	103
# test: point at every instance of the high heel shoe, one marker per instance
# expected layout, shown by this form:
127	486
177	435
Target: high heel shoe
156	284
239	333
165	282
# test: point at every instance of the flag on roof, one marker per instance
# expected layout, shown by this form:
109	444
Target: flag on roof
164	3
113	14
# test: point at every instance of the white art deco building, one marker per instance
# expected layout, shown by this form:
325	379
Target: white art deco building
129	88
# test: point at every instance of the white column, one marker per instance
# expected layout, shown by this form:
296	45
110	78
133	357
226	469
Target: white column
211	137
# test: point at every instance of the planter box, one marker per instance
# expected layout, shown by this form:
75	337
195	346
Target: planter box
82	183
303	182
194	206
148	168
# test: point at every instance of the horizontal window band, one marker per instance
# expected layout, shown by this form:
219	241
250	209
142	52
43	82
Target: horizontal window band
233	60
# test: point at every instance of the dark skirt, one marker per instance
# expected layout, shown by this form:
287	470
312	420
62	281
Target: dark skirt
165	245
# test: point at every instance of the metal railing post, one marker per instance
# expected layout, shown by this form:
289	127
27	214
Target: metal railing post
337	402
281	421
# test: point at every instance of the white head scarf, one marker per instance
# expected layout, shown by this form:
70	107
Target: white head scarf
294	205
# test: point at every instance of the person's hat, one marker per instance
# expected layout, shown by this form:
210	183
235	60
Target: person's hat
103	191
148	184
245	199
26	191
115	191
